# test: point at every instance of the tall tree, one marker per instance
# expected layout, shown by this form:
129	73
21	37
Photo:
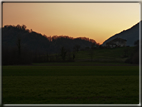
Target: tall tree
19	46
63	53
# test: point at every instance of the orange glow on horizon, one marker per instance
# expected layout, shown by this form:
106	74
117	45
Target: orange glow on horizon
97	21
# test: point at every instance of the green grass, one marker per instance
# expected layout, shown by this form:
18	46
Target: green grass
109	55
70	85
105	55
82	63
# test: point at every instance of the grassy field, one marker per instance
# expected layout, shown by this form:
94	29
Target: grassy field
105	55
70	84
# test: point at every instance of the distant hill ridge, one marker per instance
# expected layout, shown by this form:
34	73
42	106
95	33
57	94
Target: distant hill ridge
131	35
37	42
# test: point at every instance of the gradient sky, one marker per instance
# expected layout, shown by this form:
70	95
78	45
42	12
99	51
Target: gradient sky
97	21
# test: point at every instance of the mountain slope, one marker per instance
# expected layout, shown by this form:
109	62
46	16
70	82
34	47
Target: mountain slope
40	43
131	35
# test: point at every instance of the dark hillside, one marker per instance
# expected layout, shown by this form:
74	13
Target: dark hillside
24	46
40	43
131	35
29	39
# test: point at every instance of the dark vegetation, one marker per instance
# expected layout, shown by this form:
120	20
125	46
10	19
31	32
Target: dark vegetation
24	46
134	57
77	79
70	84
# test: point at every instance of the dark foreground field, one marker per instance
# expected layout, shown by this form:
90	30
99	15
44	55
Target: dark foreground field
59	84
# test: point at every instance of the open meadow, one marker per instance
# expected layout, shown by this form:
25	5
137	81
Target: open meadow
70	84
105	55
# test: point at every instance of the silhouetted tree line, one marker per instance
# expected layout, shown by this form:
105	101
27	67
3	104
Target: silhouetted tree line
64	55
24	46
14	56
134	58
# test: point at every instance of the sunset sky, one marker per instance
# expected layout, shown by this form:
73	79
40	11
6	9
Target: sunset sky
97	21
